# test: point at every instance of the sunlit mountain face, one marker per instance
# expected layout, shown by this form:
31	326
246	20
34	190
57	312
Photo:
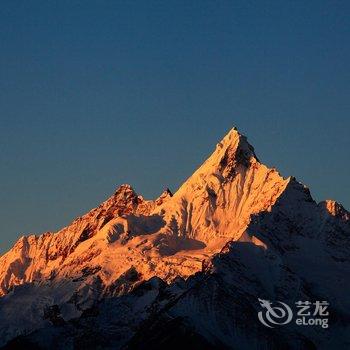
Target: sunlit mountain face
201	267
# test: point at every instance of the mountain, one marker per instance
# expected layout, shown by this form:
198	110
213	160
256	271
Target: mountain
185	269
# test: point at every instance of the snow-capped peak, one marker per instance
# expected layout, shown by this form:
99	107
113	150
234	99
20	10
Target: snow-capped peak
335	209
230	200
232	152
236	142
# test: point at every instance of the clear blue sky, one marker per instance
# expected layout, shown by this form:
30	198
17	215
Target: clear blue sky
98	93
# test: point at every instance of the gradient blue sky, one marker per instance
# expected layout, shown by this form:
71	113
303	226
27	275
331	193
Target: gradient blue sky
98	93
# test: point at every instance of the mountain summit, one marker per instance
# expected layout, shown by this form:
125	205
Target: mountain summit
195	261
